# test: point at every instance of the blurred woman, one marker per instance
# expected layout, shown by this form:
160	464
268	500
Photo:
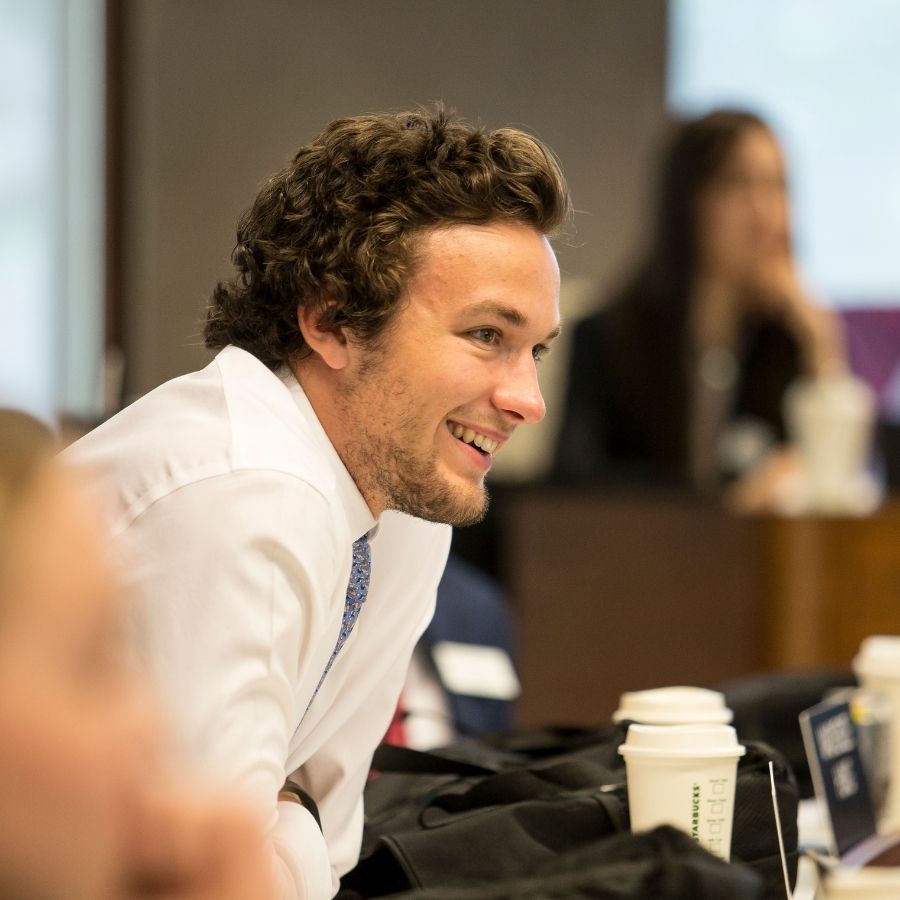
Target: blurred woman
680	378
90	809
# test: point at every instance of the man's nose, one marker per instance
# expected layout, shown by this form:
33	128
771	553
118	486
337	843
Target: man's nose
519	393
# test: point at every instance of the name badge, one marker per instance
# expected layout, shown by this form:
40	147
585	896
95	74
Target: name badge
832	749
475	670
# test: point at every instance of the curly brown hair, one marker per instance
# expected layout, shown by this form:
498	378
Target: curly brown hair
338	226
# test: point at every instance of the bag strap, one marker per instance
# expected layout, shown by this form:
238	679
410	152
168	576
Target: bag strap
530	783
404	760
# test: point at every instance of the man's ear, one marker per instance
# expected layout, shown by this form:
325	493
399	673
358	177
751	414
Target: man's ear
322	336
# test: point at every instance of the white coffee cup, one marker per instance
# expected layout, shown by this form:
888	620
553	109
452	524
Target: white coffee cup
685	776
877	666
679	705
830	421
872	883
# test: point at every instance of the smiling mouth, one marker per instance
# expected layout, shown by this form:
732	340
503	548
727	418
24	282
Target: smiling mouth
480	442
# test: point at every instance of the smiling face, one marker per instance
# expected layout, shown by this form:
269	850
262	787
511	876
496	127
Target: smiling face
418	419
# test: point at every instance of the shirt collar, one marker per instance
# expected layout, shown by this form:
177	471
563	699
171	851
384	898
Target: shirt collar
359	517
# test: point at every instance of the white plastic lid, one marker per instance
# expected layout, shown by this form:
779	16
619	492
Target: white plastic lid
879	656
673	706
870	883
682	741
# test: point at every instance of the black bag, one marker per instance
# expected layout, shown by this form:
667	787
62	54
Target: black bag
482	815
663	864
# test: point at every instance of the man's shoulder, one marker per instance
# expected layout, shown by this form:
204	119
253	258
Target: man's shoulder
231	417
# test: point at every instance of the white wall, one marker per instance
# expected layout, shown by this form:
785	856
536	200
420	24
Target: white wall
825	74
51	205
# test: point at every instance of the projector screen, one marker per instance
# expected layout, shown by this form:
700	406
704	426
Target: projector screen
826	75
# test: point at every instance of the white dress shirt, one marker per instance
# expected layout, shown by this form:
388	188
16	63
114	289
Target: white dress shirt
235	519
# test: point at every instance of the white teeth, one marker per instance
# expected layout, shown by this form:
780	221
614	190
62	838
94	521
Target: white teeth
473	437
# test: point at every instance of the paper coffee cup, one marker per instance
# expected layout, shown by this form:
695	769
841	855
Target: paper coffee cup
673	706
874	883
830	422
685	776
877	666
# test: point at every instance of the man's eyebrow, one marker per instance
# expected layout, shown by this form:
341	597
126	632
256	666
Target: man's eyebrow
509	314
501	310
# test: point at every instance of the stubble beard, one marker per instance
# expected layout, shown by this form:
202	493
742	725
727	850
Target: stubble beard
391	476
403	482
416	488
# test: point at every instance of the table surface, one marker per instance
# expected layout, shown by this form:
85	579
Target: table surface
620	591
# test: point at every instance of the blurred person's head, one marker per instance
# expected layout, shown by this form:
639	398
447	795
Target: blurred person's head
723	207
341	226
73	727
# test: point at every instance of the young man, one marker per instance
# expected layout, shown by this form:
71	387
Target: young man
394	290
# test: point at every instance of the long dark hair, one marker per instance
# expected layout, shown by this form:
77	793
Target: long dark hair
695	154
649	315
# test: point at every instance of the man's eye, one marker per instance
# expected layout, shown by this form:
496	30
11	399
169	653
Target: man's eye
486	335
539	352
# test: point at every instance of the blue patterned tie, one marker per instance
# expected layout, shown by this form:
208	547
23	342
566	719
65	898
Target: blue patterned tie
356	596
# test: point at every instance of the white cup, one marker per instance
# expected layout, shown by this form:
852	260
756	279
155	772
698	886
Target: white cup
685	776
673	706
830	421
877	666
873	883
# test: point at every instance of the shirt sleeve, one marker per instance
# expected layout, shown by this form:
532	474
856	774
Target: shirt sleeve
230	578
357	701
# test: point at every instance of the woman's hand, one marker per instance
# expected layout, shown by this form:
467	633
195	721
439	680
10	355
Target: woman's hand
771	487
778	289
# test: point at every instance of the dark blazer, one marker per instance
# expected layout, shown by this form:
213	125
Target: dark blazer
626	413
471	609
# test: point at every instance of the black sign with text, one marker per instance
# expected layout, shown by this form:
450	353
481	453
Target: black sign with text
832	748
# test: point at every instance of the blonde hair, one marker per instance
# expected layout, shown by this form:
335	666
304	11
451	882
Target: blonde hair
25	448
